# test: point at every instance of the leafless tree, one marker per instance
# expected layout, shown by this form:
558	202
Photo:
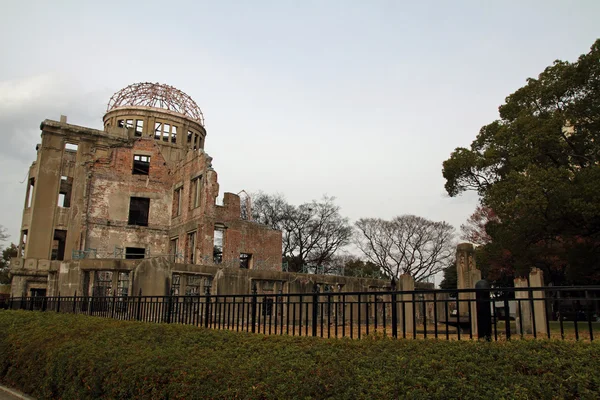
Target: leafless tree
312	233
406	245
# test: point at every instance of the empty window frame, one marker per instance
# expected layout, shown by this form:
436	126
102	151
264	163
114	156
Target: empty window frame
103	282
175	284
165	132
29	196
139	127
193	140
123	284
139	208
177	202
173	249
245	260
23	244
141	165
58	245
134	253
193	285
190	248
173	134
195	191
64	193
71	147
218	246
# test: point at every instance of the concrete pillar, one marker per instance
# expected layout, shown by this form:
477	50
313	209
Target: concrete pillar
523	311
536	279
465	262
405	317
474	277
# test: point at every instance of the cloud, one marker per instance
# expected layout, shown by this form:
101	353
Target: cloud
24	104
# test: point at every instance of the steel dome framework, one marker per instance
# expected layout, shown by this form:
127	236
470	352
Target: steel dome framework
156	95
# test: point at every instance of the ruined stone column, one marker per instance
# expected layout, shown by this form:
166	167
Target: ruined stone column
467	275
405	318
474	277
523	311
536	279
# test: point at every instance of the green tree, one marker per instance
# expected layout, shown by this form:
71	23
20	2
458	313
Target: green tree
538	168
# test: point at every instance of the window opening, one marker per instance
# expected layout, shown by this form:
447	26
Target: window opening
58	245
123	284
157	130
139	208
64	194
173	134
134	253
139	127
166	131
195	190
103	283
176	202
190	248
245	259
141	165
173	248
71	147
175	284
29	198
267	306
121	123
190	135
194	285
23	242
218	246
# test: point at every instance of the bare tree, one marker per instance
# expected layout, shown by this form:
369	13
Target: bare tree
406	245
312	233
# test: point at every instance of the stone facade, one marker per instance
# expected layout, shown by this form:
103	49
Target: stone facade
100	200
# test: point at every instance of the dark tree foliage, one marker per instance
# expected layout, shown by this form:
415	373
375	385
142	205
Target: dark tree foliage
538	168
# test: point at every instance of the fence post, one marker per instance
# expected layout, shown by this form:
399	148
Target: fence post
58	303
114	303
74	302
394	310
169	306
139	307
315	309
484	312
254	300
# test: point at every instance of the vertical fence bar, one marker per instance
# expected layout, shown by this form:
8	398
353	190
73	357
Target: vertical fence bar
458	316
394	311
254	300
315	310
435	315
506	317
589	315
414	315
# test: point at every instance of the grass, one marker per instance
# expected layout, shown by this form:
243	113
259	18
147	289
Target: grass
51	355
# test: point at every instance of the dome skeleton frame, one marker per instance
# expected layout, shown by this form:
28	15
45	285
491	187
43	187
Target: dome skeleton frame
156	95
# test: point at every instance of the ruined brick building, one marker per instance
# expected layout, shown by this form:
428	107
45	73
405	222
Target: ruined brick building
133	206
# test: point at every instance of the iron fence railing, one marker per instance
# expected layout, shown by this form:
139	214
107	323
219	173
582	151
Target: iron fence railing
490	313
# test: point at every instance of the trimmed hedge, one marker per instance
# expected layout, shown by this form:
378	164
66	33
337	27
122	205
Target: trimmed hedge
52	356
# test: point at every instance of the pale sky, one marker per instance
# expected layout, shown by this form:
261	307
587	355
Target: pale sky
361	100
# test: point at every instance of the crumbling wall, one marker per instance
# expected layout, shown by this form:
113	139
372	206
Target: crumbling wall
111	187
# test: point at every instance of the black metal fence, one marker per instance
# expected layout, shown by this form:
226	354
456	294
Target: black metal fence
490	313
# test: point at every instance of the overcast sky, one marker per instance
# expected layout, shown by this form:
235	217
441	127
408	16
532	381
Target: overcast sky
361	100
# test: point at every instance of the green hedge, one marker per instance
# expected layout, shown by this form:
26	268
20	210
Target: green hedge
52	356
